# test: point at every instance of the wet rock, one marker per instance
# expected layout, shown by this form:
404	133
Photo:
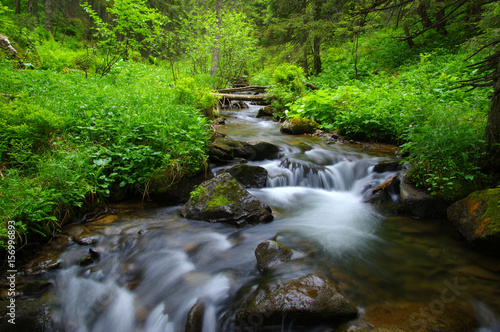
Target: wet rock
163	188
309	300
299	126
223	150
389	166
30	315
384	193
223	199
249	176
86	260
264	150
270	253
267	111
80	234
45	262
477	218
419	203
194	320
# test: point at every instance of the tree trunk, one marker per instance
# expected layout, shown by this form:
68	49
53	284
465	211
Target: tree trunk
18	7
216	53
440	20
49	15
305	63
33	8
492	133
317	55
409	40
422	13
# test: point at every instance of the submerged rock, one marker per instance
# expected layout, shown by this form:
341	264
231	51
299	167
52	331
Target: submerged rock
299	126
310	300
477	218
249	176
223	199
46	261
270	253
402	317
30	315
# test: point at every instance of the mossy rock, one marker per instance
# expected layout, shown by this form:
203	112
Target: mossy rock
477	218
309	300
299	126
223	199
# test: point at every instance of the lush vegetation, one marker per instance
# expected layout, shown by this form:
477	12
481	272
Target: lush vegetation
103	94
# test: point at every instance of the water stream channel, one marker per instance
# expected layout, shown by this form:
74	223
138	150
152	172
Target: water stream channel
155	265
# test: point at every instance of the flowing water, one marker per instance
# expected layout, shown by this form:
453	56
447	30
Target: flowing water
155	265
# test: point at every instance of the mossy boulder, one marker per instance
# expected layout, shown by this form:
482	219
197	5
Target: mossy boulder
249	176
299	126
477	218
270	253
309	300
223	199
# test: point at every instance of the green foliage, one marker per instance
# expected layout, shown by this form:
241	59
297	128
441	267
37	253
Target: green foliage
100	135
197	193
134	26
445	152
26	131
288	85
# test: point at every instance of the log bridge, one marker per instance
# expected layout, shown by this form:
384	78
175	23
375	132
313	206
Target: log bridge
231	94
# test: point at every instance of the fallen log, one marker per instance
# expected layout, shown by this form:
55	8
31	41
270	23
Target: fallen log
241	97
244	88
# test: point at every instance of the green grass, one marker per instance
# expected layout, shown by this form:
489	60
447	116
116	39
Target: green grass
68	142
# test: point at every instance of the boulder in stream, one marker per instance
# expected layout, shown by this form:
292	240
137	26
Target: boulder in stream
30	315
309	300
223	199
249	176
224	150
477	218
299	126
270	253
419	203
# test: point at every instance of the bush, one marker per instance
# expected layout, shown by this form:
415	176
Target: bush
288	85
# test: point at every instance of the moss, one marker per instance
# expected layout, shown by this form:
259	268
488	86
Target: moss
219	200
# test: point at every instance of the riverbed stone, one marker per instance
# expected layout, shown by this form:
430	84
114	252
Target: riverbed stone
299	126
418	203
30	315
270	253
309	300
249	176
44	262
223	199
410	316
80	234
264	150
477	218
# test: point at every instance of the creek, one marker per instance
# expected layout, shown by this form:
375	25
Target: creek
155	265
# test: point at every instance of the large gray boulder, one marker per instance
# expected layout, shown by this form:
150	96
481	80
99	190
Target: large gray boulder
477	218
309	300
223	199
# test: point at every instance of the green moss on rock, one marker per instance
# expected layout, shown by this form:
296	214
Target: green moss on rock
477	218
299	126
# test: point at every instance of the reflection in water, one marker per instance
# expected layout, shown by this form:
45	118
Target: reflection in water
155	265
